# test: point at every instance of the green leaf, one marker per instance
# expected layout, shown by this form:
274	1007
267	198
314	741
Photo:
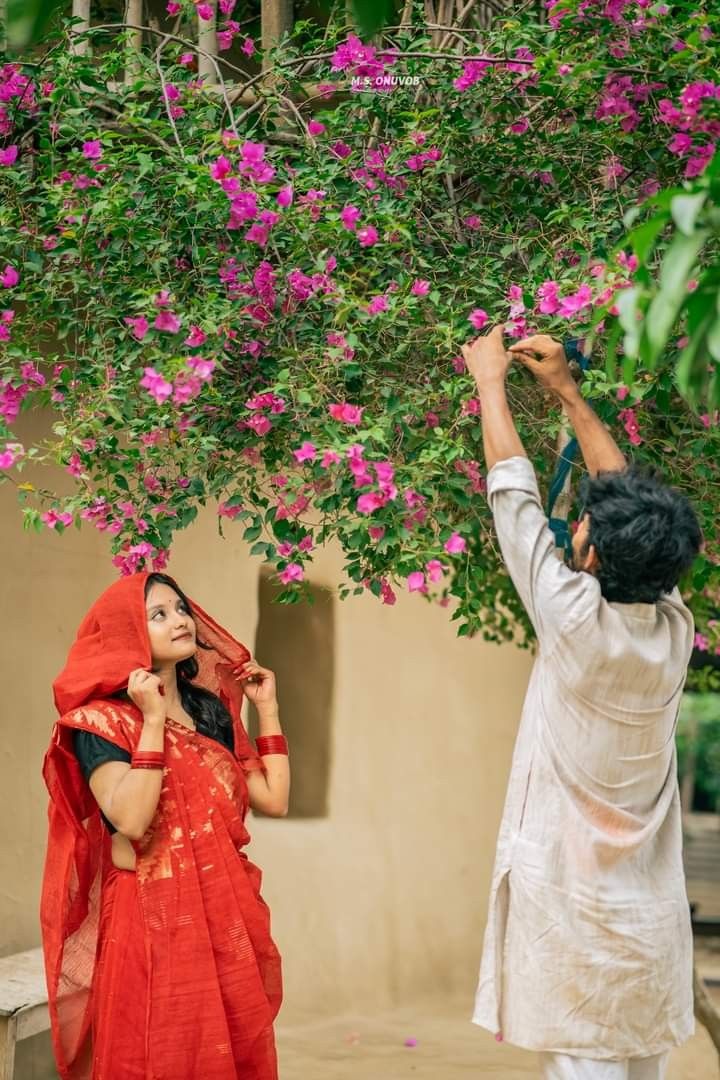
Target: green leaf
663	312
685	210
642	239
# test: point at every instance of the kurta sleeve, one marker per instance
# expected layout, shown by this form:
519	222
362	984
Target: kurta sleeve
556	598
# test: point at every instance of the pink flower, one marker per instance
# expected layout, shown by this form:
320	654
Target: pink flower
330	458
74	466
315	127
420	287
367	236
307	452
571	305
140	326
92	150
9	277
376	305
221	168
630	423
477	318
346	414
186	59
435	571
416	581
201	367
350	215
156	385
224	510
548	300
259	424
370	502
341	149
167	321
680	144
173	7
285	196
248	46
386	593
629	262
306	544
205	12
52	518
455	545
195	338
519	127
258	234
376	532
171	92
622	393
13	452
292	572
285	550
8	156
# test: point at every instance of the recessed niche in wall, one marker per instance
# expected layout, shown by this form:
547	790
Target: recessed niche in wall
298	642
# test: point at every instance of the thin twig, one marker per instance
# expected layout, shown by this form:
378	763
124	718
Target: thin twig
124	123
168	37
168	107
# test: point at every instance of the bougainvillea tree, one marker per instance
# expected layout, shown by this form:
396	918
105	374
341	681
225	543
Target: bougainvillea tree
259	305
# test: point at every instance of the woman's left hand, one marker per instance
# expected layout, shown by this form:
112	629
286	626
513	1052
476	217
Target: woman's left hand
258	683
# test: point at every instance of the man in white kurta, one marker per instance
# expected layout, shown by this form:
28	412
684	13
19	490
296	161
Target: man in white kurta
588	949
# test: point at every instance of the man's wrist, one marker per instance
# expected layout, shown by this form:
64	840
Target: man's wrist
490	385
568	393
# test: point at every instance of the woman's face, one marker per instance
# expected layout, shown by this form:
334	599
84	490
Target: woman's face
170	626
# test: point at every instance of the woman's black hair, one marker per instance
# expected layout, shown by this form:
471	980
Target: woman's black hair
206	709
645	533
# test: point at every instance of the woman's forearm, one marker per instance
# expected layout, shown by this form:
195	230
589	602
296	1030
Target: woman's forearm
270	789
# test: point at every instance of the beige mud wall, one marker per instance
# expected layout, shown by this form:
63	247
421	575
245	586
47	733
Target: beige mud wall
385	897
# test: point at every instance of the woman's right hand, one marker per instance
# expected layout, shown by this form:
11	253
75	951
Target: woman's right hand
144	690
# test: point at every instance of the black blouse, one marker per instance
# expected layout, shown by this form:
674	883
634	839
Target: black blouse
92	750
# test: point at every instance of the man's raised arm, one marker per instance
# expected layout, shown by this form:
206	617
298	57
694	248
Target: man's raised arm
545	357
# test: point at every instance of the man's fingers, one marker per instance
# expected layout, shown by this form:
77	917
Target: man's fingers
537	343
525	357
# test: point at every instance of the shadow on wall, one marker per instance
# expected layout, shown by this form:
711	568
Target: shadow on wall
298	642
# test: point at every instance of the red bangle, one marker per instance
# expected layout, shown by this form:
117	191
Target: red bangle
271	744
148	759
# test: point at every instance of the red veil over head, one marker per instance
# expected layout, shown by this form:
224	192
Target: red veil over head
111	642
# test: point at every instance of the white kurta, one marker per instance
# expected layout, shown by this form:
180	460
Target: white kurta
588	946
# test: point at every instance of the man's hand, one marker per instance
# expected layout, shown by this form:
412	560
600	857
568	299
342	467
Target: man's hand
546	359
486	358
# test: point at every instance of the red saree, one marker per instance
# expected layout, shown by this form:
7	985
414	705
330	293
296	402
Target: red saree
169	972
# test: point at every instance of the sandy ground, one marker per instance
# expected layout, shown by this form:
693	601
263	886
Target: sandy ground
449	1047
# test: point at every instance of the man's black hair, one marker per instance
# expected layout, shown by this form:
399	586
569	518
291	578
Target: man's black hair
645	533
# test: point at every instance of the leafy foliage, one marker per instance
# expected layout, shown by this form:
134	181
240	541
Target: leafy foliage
261	305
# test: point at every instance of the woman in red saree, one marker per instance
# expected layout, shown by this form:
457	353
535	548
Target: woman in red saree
158	954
